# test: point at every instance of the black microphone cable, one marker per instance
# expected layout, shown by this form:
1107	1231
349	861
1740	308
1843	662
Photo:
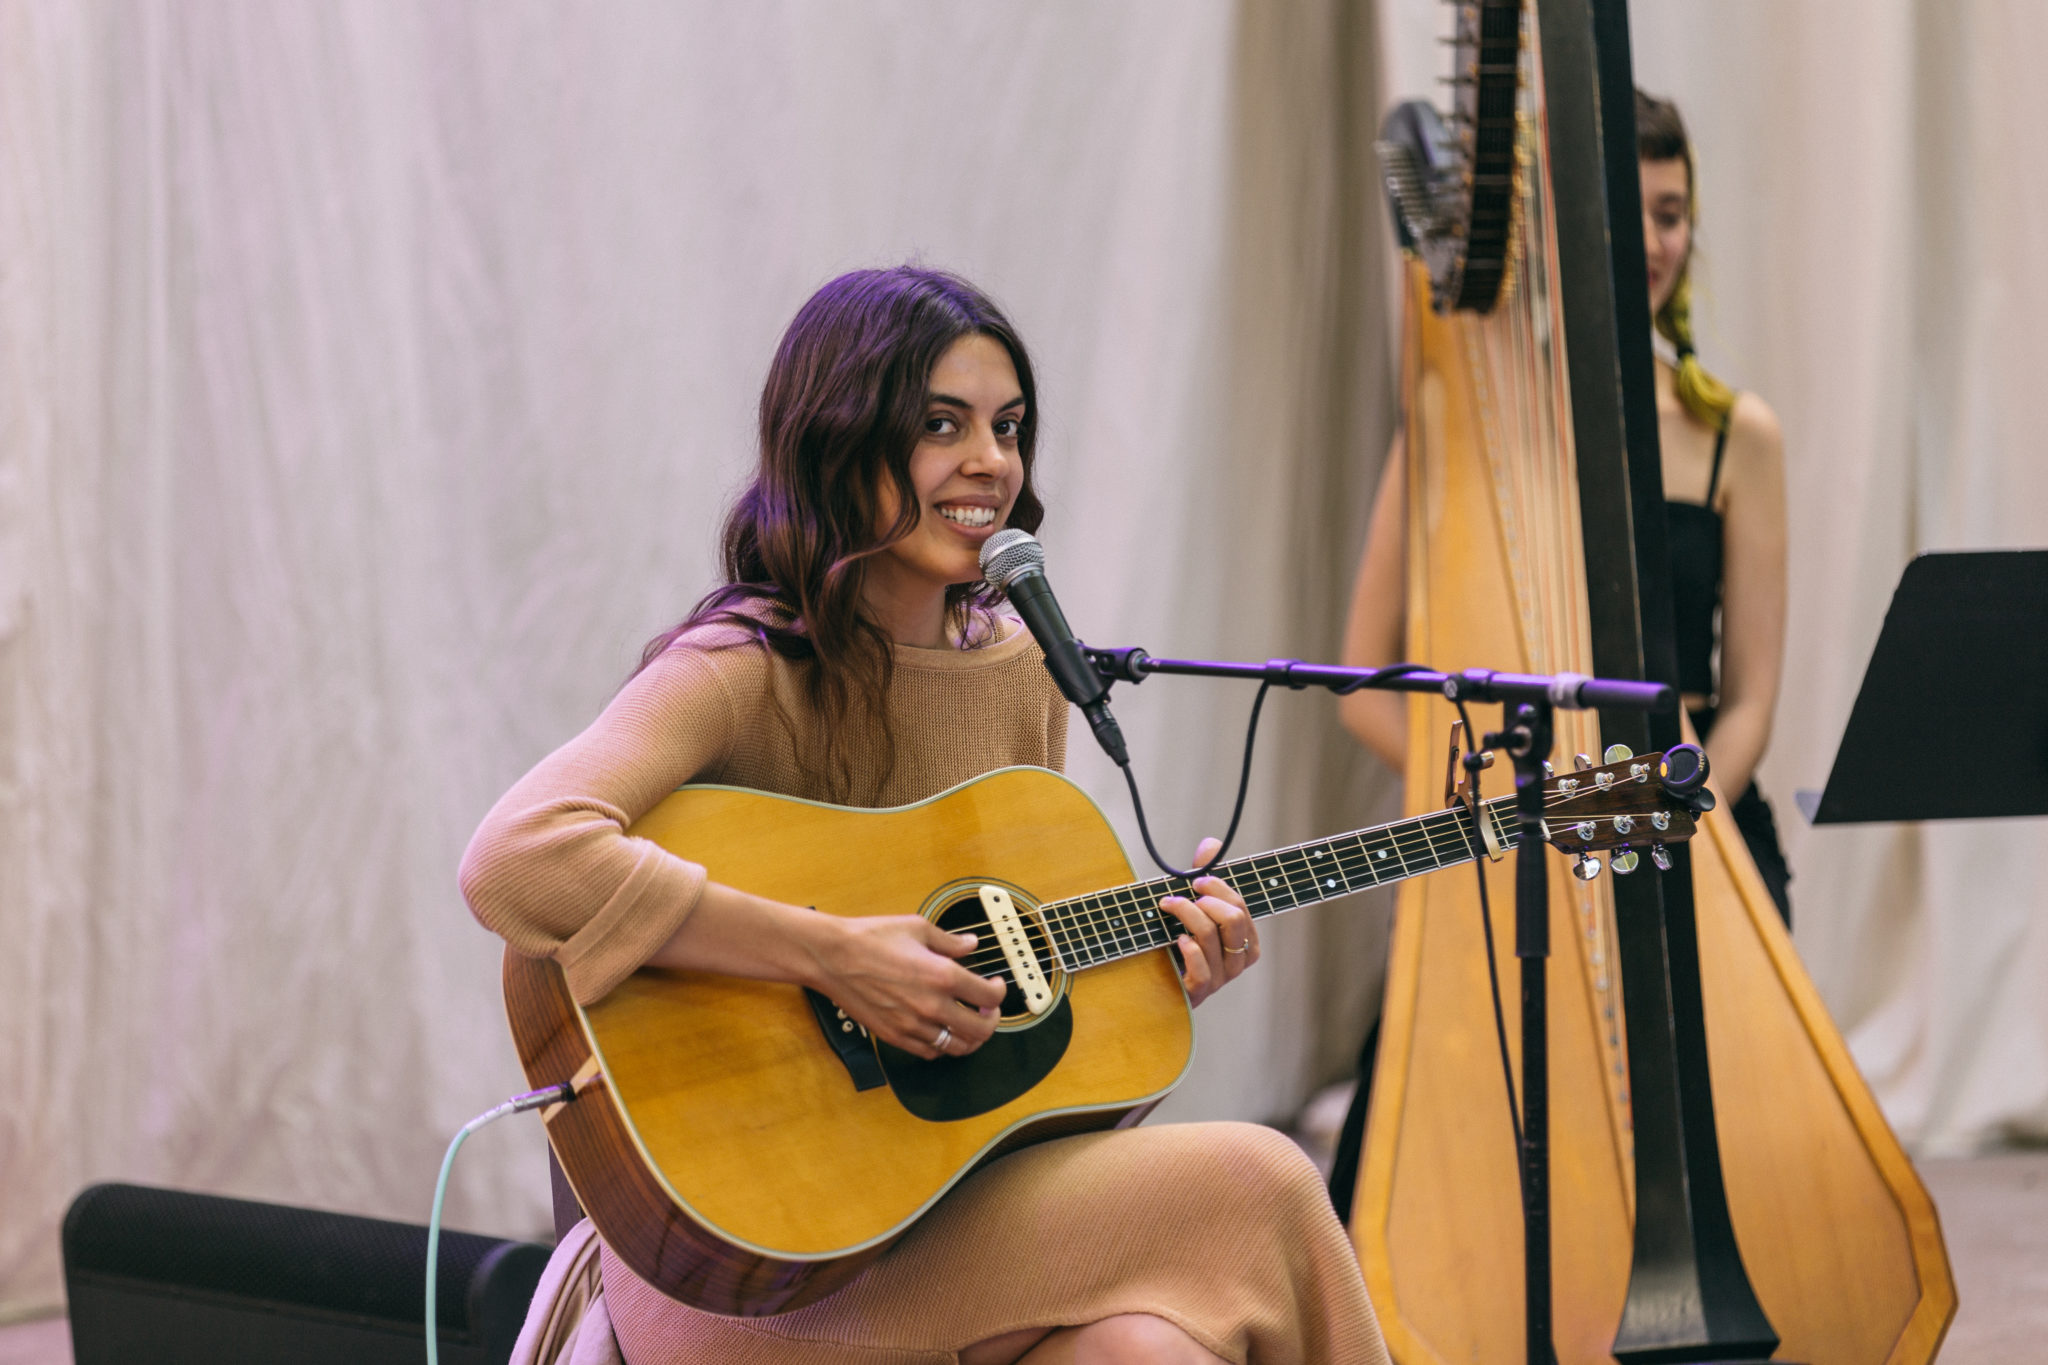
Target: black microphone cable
1244	778
1013	561
1474	765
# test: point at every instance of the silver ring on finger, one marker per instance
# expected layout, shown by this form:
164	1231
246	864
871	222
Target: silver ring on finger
945	1037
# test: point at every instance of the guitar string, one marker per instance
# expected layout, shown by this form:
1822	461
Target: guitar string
1415	835
1107	923
1434	830
1102	920
1293	873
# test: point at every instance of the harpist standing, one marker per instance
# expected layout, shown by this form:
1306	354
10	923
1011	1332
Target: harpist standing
854	655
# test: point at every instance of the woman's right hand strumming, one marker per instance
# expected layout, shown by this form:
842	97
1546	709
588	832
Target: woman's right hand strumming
898	976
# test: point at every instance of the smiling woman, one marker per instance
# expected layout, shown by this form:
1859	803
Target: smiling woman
811	549
854	654
967	470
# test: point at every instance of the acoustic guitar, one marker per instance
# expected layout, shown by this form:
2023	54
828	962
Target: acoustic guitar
745	1147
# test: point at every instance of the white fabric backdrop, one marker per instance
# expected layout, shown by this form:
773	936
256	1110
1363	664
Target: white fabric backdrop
1870	261
374	376
371	378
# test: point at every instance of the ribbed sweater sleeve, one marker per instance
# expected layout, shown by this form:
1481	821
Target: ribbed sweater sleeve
552	869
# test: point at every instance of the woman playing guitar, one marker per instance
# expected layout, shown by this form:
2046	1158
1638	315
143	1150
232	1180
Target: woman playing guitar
854	655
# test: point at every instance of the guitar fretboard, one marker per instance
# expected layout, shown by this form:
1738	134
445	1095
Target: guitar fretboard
1123	921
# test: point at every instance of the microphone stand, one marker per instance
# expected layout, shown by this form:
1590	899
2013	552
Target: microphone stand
1528	704
1527	741
1573	691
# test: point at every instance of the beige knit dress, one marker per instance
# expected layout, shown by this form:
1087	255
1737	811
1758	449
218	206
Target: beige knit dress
1223	1229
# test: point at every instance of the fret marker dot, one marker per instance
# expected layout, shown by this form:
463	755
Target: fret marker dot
1329	881
1272	881
1383	853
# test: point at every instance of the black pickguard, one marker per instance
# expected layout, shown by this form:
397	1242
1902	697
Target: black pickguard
1007	1065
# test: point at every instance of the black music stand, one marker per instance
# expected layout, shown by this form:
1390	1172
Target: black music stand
1952	719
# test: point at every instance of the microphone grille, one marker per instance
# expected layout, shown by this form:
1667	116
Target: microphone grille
1010	553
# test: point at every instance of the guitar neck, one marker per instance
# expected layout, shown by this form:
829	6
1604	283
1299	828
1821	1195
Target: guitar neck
1106	926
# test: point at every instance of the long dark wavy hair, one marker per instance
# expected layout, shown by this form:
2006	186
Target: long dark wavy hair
841	412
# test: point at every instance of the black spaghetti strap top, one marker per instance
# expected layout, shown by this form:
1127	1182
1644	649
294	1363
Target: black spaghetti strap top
1695	539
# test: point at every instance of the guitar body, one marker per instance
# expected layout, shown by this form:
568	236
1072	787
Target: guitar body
719	1141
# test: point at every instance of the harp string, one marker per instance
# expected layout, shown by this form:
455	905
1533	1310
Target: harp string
1515	353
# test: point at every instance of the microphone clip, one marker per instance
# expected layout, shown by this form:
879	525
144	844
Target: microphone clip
1118	665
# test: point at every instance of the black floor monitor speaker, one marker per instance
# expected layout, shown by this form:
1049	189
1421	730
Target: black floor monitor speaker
165	1277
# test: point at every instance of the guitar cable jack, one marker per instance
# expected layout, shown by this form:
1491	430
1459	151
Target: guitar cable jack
518	1104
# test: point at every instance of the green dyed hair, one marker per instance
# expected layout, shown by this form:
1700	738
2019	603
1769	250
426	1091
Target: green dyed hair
1660	136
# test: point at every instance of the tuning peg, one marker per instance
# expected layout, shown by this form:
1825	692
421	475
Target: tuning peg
1661	857
1684	770
1624	862
1586	868
1549	768
1619	753
1581	762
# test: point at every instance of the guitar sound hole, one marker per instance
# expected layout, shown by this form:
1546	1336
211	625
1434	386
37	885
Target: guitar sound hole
965	916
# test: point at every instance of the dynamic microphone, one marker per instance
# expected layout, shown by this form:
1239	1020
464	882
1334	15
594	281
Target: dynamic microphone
1014	561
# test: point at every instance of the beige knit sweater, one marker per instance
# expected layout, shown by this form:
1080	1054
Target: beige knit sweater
1223	1229
552	869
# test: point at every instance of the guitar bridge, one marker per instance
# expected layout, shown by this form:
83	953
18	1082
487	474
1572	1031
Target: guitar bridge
850	1042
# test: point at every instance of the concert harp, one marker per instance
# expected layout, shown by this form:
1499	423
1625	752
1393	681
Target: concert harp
1723	1185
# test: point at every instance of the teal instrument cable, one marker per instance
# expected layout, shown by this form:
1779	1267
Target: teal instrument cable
518	1104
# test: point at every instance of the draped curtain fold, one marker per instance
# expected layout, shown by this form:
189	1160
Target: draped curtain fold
1869	189
372	378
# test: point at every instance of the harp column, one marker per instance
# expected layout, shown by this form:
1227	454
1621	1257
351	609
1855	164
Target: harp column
1689	1296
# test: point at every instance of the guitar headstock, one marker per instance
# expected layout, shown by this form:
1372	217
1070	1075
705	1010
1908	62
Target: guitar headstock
1628	804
